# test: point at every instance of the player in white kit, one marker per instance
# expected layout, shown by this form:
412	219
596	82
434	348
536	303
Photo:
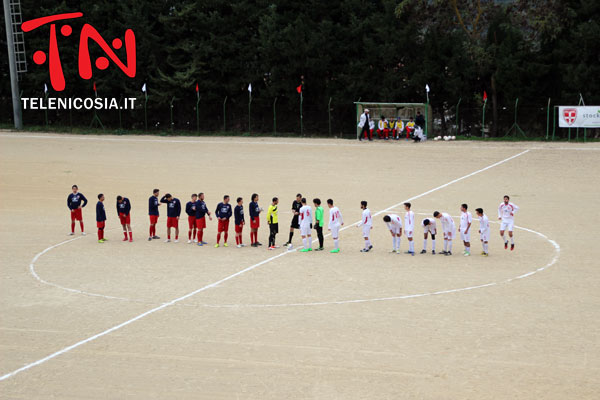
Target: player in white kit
506	213
484	230
429	227
394	224
335	222
466	219
448	228
409	228
305	220
367	224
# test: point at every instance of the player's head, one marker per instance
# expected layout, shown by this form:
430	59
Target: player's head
386	218
437	214
200	196
101	197
363	204
411	118
303	200
74	188
382	117
317	202
155	192
254	197
463	207
299	197
275	200
194	196
407	206
479	211
168	196
119	199
226	199
239	200
506	199
425	222
330	203
418	112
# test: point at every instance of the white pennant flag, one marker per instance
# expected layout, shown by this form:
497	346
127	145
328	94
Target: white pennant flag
250	88
45	88
427	88
144	88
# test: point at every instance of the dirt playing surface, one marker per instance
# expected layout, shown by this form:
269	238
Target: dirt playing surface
276	324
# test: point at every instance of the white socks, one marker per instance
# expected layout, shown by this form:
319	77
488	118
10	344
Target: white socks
485	247
432	244
445	244
336	242
411	246
512	240
424	244
304	243
396	242
450	245
468	249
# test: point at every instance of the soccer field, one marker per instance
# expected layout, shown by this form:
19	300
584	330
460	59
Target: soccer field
155	320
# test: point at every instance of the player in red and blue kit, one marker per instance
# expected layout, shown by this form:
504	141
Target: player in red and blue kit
124	213
190	210
223	213
76	201
100	218
173	213
238	216
153	213
201	212
254	220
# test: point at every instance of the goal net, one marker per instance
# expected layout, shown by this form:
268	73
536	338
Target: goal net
390	111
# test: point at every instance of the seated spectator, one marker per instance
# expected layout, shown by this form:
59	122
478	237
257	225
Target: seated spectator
410	128
397	128
384	128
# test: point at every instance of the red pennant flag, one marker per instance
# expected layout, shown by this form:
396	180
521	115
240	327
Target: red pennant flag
299	89
94	86
196	87
484	96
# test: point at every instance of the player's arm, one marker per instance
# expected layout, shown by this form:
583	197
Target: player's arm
229	213
178	208
162	200
118	213
500	212
69	201
515	209
85	201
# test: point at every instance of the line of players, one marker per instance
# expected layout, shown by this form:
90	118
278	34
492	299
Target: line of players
302	219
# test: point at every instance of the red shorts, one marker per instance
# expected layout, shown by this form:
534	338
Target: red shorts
76	215
192	222
125	219
100	224
238	228
201	223
254	223
172	222
153	219
223	225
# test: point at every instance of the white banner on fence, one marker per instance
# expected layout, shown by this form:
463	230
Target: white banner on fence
579	117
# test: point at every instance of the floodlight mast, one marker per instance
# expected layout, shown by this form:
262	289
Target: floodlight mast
12	62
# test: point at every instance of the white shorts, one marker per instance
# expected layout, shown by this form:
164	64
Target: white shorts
305	230
396	231
465	237
485	235
335	231
366	230
507	226
408	234
429	229
449	233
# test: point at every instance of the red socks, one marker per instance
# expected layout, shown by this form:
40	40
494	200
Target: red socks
72	227
218	237
200	235
225	237
130	235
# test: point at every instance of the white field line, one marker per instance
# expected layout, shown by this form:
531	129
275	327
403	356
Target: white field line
262	141
214	284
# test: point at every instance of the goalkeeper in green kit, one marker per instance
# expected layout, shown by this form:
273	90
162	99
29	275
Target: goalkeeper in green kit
319	222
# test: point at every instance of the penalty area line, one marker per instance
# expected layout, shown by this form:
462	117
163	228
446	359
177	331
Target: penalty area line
227	278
